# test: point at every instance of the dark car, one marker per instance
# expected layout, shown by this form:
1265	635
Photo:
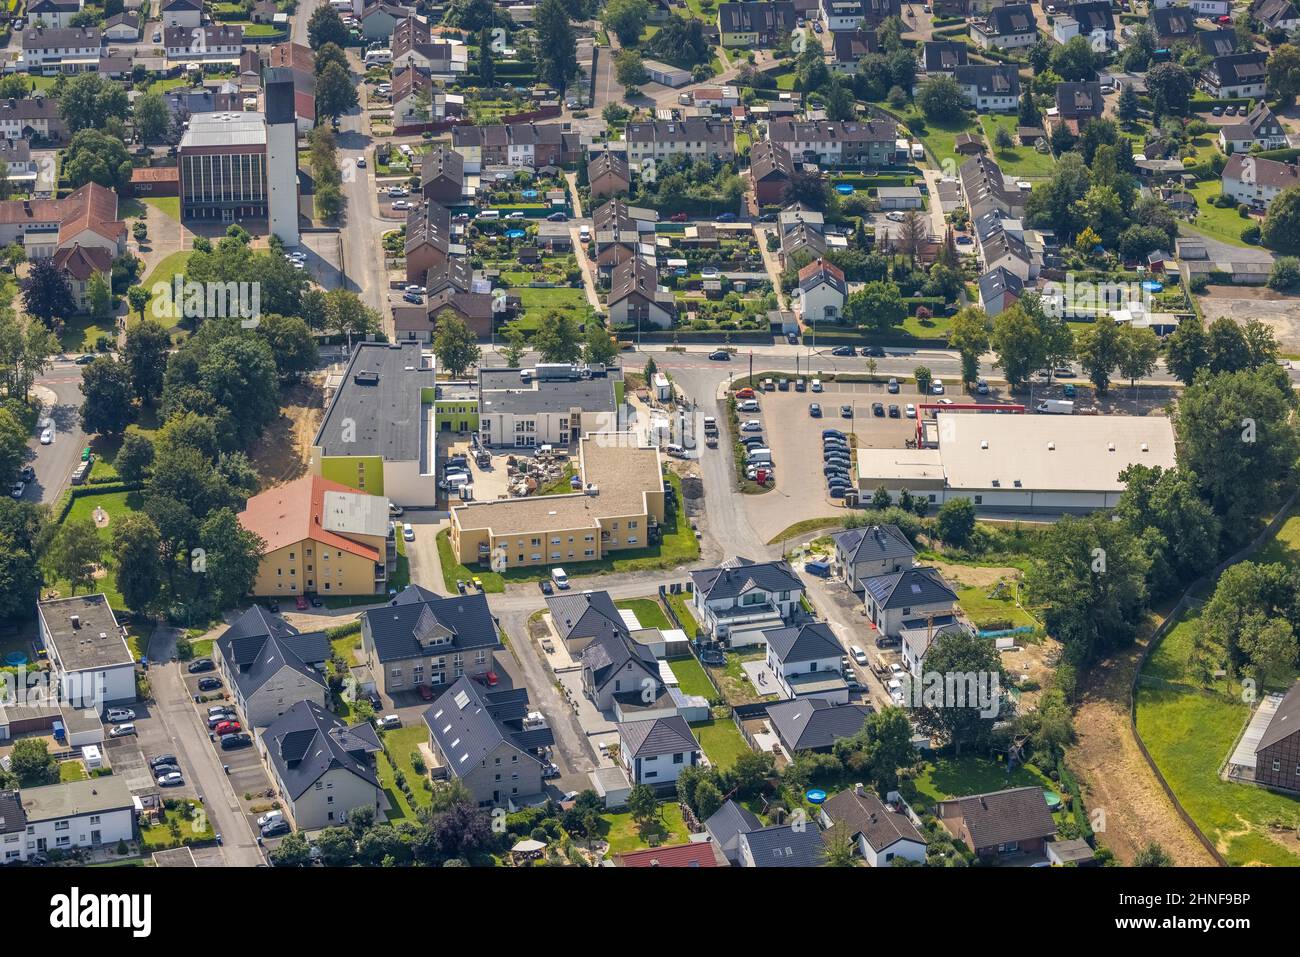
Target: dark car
792	338
84	360
878	409
832	433
815	410
545	586
874	352
846	411
843	351
835	451
233	742
892	388
425	692
199	665
276	828
163	769
209	684
557	218
29	474
837	491
834	469
893	412
273	606
161	760
720	355
726	217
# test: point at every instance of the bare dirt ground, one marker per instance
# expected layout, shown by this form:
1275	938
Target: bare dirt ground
282	452
974	576
1240	303
1116	778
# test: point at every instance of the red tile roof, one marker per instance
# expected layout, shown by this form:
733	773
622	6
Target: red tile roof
676	855
288	514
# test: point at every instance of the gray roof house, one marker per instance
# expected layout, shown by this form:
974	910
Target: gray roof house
880	833
783	845
911	593
805	660
725	826
617	670
741	597
269	666
486	741
1000	289
420	638
654	751
814	724
323	768
862	553
579	618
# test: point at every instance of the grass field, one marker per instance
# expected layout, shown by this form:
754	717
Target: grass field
947	777
537	303
401	742
680	603
1285	546
117	505
164	272
985	611
72	771
1018	161
168	205
691	677
1221	224
647	612
721	741
624	834
82	333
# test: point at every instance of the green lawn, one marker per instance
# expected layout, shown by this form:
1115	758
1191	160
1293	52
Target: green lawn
1221	224
161	836
400	743
117	505
1018	161
680	603
624	834
168	205
1285	546
72	771
692	678
165	273
647	611
986	612
947	777
82	333
562	299
721	741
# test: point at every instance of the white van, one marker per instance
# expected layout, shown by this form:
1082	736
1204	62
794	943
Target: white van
489	214
759	457
858	654
560	578
378	57
676	451
584	233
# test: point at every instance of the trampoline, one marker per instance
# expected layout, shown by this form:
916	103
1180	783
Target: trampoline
816	796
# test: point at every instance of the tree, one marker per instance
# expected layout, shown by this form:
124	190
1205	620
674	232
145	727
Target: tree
136	558
32	762
346	313
293	851
1018	343
1285	274
75	552
1127	106
99	297
326	26
515	345
1153	855
1075	59
947	711
1282	72
135	457
152	118
1177	527
47	296
598	346
628	68
969	335
1029	114
454	344
627	19
487	70
708	799
336	93
877	305
1099	350
557	337
839	850
923	378
1281	229
469	14
1170	88
233	554
941	99
557	52
1187	350
888	735
642	804
95	157
955	522
808	189
138	297
106	390
1138	349
91	101
292	344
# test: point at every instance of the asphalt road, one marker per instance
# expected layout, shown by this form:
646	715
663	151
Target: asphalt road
54	463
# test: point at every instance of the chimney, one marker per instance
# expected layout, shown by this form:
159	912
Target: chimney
76	621
859	790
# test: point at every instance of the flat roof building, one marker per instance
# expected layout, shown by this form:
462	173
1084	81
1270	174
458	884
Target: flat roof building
1033	463
88	650
222	161
536	411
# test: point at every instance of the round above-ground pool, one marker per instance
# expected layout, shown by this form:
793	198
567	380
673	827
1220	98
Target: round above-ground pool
816	796
1151	285
15	659
528	193
844	188
1053	800
516	233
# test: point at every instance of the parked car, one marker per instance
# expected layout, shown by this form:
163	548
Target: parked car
17	489
121	730
219	718
843	351
893	387
726	217
910	411
276	828
745	393
28	474
679	217
875	352
720	355
161	760
832	470
227	727
846	411
232	742
832	434
546	587
878	409
270	817
172	779
199	665
47	435
389	721
361	162
209	684
408	533
118	715
815	410
893	412
557	218
753	425
425	692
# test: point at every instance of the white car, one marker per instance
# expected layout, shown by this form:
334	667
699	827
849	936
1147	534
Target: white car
858	655
121	730
47	435
753	425
910	411
389	721
401	204
936	387
816	385
172	779
118	715
398	191
408	533
895	216
418	290
270	817
16	490
515	215
943	401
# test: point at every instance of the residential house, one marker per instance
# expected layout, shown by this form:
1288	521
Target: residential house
1238	76
1094	20
849	48
413	44
212	43
635	298
489	741
753	25
34	118
843	15
56	14
770	170
999	290
554	409
782	845
428	239
655	751
740	598
418	323
1173	25
420	639
881	834
71	50
122	28
1255	181
380	20
182	13
989	87
442	176
702	139
518	144
1006	28
412	97
725	826
88	654
79	265
617	670
1261	128
943	56
802	231
1276	15
579	619
984	188
915	592
300	60
1003	247
999	822
805	660
702	854
1076	104
871	142
93	813
269	666
822	292
608	174
814	724
871	551
323	769
1217	43
1211	9
1277	754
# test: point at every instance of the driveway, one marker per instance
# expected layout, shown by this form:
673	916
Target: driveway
59	392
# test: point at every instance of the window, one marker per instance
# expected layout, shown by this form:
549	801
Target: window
979	499
1277	765
61	825
679	759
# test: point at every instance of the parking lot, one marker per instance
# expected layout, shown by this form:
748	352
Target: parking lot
324	262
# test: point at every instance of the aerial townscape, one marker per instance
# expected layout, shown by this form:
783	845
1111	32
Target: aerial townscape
650	433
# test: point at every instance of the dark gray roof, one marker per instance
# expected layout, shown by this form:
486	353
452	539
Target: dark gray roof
990	79
1217	42
876	543
1004	817
1285	721
1015	19
1079	99
808	723
912	586
503	391
787	845
376	410
865	814
658	736
1239	68
763	18
585	615
610	653
1174	22
730	821
810	641
739	575
1000	281
13	819
418	625
256	656
307	741
944	56
467	727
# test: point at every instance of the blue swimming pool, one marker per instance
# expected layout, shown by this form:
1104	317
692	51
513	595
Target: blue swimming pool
516	233
816	796
15	659
844	189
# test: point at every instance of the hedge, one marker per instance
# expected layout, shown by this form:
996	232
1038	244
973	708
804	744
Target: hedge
1281	155
343	631
1207	106
64	505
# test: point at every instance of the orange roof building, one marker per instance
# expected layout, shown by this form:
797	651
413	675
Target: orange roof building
321	537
